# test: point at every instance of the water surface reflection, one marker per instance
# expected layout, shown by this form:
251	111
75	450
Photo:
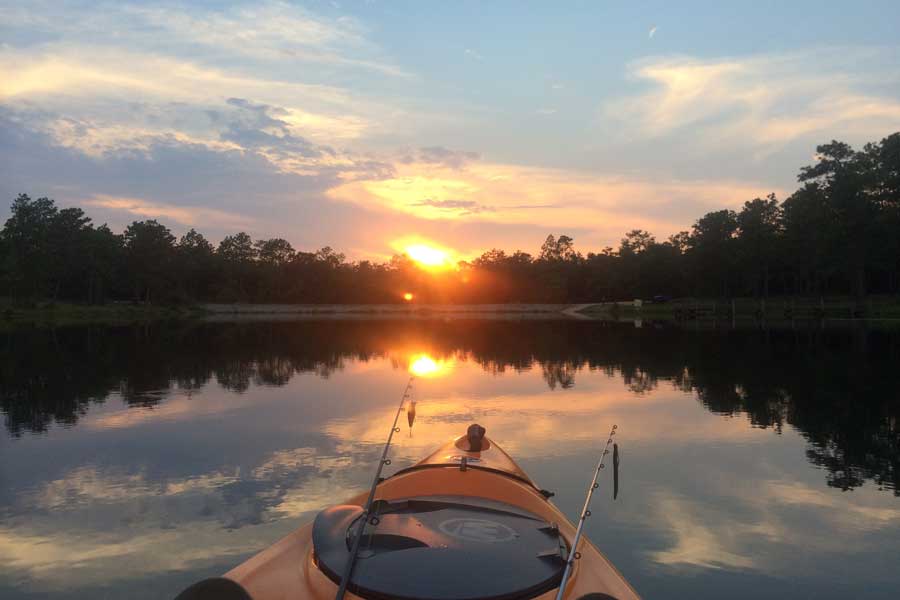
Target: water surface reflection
137	459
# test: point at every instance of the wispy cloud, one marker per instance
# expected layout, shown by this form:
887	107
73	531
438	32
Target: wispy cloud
461	207
181	62
766	101
266	31
439	155
473	54
118	87
184	215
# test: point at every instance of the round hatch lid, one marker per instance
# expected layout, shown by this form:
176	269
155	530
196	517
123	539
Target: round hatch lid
442	548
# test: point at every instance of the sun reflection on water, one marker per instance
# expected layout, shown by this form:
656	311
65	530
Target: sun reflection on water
422	365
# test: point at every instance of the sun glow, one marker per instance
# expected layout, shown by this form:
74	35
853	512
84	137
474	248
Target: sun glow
428	256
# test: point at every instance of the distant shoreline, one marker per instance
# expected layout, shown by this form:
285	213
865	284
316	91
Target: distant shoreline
55	314
395	309
686	309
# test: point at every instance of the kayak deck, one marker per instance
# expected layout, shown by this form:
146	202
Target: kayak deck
442	548
483	494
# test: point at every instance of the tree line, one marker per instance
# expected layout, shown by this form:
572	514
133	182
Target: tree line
838	234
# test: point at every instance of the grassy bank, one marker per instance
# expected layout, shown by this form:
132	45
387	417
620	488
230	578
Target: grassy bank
875	307
54	314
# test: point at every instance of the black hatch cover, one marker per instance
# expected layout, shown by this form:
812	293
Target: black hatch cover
442	548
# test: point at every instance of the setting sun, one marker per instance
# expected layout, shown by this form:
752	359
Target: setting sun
408	297
428	256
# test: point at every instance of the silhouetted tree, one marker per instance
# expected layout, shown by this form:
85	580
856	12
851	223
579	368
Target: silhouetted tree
810	239
884	159
197	266
759	234
712	246
149	250
237	254
274	257
29	246
558	249
70	234
844	179
104	257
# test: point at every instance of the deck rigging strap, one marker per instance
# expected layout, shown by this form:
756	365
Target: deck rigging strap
585	513
361	522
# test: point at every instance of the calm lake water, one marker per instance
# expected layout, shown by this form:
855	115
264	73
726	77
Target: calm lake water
756	462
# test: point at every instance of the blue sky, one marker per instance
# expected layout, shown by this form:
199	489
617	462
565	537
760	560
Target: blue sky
466	125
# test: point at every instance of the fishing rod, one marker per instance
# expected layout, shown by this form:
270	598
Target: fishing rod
367	509
585	513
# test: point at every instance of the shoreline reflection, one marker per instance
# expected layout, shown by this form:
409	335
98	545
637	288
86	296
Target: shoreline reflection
838	388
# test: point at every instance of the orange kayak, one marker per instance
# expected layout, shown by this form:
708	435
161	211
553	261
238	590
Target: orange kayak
459	525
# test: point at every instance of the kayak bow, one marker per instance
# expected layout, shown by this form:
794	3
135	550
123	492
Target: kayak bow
465	523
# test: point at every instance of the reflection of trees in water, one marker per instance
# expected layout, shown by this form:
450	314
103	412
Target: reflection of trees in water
274	370
637	380
559	373
839	388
